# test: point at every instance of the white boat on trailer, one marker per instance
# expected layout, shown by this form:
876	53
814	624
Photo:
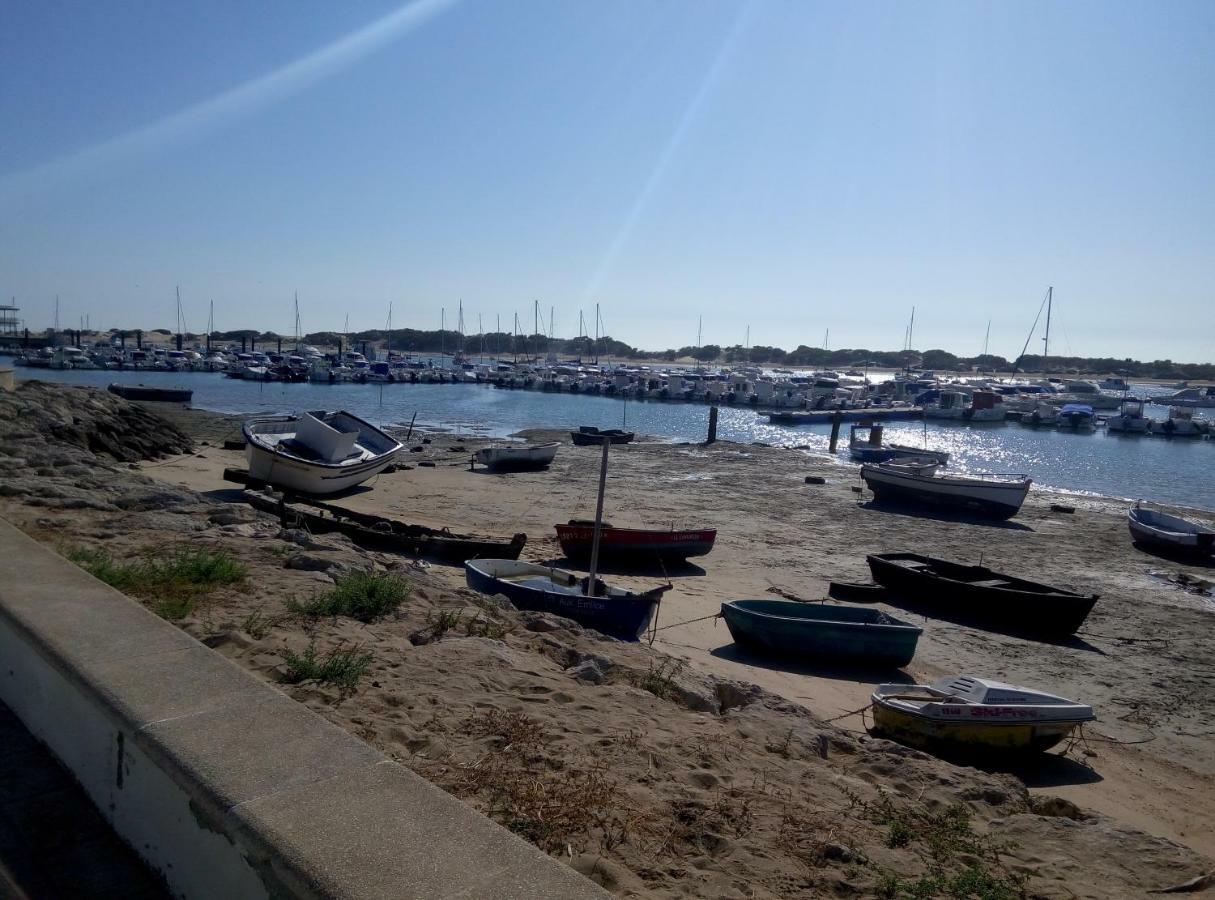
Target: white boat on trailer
537	456
987	494
1164	531
318	452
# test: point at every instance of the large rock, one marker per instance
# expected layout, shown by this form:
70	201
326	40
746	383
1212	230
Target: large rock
75	416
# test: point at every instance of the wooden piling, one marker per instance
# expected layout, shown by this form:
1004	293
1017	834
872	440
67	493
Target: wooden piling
712	425
835	430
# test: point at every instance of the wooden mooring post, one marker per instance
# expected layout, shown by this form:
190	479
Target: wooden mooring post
835	430
712	425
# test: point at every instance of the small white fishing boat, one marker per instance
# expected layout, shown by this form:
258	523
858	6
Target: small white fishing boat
1180	423
318	452
975	716
1168	532
1130	419
994	495
538	456
1044	414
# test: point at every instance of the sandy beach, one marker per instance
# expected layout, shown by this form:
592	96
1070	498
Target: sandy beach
700	770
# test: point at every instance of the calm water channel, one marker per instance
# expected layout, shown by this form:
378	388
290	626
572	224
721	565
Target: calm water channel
1173	471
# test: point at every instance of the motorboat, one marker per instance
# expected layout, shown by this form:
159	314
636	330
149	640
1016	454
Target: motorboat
1180	423
977	593
865	445
587	600
949	405
316	452
969	715
1076	417
1189	397
988	494
1130	419
639	545
1163	531
1043	415
538	456
811	632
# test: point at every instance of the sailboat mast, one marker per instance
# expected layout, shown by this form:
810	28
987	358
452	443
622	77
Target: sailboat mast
596	334
987	337
297	321
1050	293
590	582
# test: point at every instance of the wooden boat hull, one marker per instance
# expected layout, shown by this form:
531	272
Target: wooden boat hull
620	614
151	394
379	533
990	499
640	545
820	631
954	589
593	437
968	738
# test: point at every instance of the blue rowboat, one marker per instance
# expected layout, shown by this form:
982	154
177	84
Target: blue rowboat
613	611
813	631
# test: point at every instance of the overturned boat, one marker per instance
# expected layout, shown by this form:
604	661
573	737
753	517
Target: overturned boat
316	452
968	715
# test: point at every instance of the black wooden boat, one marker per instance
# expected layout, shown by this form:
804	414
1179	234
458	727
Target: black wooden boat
380	533
154	394
977	593
588	435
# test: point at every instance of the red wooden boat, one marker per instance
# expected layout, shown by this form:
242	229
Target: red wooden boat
639	544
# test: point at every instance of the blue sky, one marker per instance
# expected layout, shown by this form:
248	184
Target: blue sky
793	167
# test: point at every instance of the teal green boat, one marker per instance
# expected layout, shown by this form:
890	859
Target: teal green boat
860	635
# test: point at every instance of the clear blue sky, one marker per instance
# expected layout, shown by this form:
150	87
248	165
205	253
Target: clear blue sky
791	166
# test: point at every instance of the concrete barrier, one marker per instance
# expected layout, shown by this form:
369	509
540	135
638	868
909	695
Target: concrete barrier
226	786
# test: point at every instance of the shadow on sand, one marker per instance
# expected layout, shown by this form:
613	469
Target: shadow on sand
1181	558
833	669
977	622
1045	770
940	515
654	569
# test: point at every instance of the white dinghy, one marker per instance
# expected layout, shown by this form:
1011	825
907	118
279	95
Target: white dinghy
1168	532
316	453
517	458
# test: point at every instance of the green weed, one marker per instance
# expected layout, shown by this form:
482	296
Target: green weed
342	667
366	596
175	579
659	679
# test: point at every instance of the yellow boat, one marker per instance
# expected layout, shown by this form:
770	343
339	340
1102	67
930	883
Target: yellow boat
968	715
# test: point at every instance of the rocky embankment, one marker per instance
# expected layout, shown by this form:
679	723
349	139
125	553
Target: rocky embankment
62	446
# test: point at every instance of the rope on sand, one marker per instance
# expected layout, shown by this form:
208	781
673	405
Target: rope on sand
688	622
